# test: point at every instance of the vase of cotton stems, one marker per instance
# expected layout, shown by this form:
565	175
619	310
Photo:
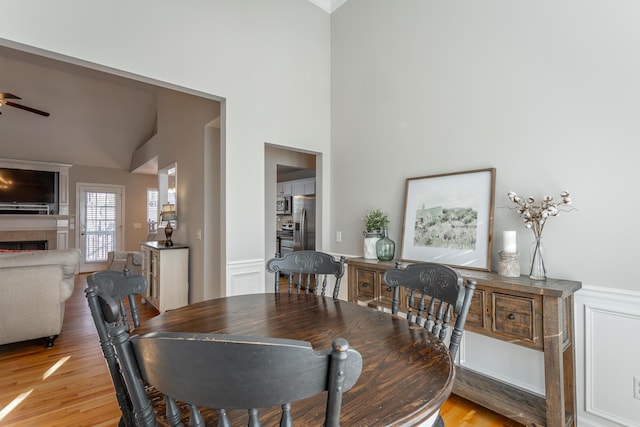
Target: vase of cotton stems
535	217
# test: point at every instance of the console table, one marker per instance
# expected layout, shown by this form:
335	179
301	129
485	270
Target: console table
166	269
531	313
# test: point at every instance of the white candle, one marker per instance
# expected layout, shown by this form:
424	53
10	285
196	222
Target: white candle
509	241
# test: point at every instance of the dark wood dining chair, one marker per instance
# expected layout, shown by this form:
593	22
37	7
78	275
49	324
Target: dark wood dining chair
106	292
308	270
227	372
434	293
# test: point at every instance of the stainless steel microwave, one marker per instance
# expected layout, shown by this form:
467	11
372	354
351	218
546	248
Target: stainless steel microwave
283	205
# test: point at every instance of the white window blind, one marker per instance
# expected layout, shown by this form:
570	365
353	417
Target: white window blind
100	234
152	210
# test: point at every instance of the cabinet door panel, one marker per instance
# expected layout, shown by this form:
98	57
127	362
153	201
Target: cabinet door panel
284	189
310	187
297	188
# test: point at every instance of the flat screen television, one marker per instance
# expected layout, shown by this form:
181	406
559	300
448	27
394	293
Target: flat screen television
29	187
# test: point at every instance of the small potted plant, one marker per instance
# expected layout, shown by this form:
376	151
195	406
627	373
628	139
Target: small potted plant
375	221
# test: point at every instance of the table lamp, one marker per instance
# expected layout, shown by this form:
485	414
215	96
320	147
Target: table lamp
168	214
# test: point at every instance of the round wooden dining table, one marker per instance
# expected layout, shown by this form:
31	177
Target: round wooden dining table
407	372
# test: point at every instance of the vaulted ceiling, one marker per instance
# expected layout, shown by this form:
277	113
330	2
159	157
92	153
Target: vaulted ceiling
96	118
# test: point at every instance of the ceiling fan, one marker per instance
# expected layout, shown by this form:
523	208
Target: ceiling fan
5	96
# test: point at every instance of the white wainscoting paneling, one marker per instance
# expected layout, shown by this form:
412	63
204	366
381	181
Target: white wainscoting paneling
607	356
245	277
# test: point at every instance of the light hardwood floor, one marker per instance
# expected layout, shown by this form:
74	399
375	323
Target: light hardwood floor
69	385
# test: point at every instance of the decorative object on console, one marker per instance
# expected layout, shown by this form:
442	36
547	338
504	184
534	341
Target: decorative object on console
509	241
509	263
385	247
535	217
168	214
374	221
448	218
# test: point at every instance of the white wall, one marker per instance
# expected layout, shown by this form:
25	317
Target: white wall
182	138
545	92
269	61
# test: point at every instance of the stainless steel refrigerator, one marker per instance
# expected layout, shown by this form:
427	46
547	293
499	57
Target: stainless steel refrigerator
304	218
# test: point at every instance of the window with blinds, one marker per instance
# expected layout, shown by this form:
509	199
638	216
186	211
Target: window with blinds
100	231
152	210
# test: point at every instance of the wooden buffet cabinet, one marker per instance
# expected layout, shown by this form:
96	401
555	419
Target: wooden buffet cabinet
531	313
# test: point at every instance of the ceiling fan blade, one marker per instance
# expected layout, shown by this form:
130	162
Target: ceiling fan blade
6	95
22	107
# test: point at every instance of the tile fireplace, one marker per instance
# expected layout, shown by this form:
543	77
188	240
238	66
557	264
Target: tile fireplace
28	239
27	229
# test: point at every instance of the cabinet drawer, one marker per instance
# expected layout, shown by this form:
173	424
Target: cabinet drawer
475	317
515	316
386	293
365	280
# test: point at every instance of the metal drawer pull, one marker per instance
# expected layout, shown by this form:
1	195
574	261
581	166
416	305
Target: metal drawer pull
511	316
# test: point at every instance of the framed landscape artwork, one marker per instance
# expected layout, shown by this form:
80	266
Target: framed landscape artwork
448	219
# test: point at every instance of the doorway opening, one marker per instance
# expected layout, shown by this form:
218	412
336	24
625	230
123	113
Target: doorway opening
293	177
296	224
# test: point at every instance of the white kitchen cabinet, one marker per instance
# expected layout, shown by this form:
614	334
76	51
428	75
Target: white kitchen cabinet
298	188
284	189
166	269
303	187
310	186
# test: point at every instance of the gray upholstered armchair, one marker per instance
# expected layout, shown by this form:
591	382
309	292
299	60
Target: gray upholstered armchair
119	260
